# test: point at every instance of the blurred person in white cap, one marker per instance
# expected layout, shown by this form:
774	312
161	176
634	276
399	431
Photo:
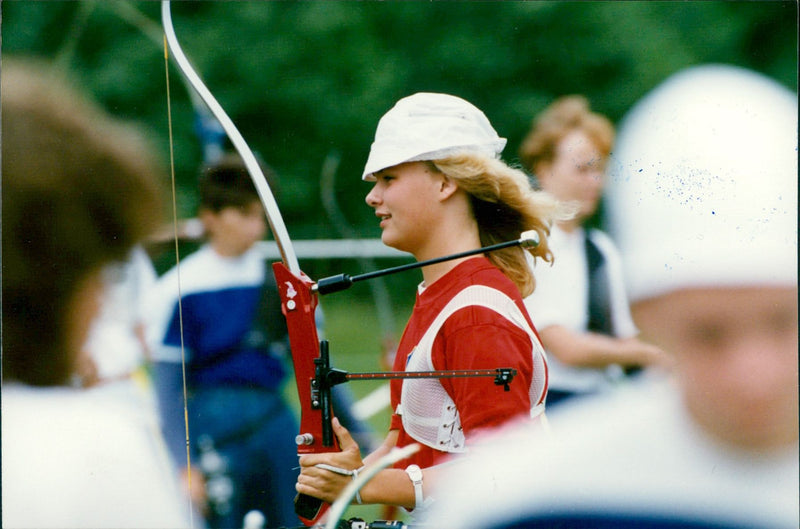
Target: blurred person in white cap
580	304
705	212
440	189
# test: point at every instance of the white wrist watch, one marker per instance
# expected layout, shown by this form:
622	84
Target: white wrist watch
415	473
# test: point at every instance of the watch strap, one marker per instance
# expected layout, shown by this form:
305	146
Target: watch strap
415	474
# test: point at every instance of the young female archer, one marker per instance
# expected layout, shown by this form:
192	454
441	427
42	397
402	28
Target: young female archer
440	189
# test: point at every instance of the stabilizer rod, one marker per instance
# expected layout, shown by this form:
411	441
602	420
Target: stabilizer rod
328	285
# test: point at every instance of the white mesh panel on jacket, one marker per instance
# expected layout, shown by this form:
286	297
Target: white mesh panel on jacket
428	413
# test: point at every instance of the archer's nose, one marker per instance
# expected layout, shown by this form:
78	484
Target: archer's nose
373	197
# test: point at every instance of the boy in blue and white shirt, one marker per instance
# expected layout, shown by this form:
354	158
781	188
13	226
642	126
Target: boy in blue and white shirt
234	339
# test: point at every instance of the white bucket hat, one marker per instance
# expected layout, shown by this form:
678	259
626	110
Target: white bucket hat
428	126
703	184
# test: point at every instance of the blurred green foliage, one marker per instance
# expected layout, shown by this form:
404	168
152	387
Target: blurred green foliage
304	79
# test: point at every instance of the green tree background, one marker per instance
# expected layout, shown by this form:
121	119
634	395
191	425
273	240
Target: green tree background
304	79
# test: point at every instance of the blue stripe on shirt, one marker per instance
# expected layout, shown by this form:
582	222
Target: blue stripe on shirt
217	322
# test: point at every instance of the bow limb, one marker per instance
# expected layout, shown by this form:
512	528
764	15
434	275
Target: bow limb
274	217
298	300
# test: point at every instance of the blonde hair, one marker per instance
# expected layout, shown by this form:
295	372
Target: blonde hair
563	116
505	204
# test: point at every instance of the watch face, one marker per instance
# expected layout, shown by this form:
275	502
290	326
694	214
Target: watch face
415	474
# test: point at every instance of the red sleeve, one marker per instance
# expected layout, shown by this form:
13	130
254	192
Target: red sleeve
479	338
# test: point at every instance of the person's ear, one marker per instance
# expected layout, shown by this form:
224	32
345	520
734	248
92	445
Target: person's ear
208	218
447	187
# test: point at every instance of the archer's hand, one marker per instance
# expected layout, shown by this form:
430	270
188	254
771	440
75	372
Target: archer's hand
325	484
194	484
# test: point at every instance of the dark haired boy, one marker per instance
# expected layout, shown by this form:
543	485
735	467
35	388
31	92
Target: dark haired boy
234	338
